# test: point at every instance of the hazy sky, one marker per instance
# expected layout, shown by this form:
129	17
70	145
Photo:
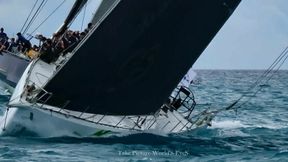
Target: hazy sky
251	39
13	14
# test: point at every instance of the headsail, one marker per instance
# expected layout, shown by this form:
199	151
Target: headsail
135	58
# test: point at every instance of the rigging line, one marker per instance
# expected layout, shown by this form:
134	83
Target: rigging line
274	72
270	68
29	15
279	58
23	31
268	79
37	14
43	3
267	72
278	68
84	14
283	54
276	62
48	17
285	59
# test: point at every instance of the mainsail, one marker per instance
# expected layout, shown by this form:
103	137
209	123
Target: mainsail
131	63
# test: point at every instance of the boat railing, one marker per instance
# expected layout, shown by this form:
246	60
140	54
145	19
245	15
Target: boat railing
18	54
96	118
183	101
28	81
33	97
120	121
149	120
100	121
40	99
64	105
184	126
34	78
153	122
136	122
35	93
140	121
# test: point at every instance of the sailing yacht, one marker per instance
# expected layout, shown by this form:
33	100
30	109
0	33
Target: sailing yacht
12	67
118	79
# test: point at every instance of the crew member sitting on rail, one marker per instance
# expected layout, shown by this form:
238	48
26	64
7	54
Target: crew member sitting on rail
46	52
58	45
70	41
12	46
2	47
26	45
3	36
89	27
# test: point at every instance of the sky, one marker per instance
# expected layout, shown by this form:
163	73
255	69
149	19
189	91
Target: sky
13	14
252	38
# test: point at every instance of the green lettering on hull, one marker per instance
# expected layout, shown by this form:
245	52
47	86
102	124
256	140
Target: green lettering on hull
101	133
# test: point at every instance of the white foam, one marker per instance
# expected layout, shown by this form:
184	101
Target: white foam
273	126
234	124
228	124
229	128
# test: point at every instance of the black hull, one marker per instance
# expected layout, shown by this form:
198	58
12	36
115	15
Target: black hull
136	57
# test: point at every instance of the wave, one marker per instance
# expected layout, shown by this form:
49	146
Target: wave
227	124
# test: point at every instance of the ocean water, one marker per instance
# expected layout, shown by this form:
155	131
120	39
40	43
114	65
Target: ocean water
257	131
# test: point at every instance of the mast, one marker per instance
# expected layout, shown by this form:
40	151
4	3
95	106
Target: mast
78	5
